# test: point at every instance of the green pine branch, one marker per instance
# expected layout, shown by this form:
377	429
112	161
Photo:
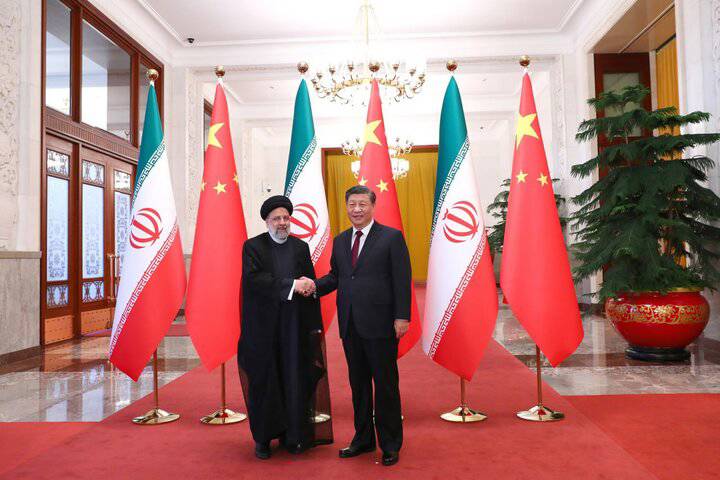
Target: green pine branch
649	222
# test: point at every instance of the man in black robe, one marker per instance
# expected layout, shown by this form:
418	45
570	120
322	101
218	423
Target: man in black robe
281	349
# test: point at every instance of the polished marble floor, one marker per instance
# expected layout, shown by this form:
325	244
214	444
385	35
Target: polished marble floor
73	381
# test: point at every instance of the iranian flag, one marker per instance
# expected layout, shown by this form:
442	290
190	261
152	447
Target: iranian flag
304	186
461	301
152	282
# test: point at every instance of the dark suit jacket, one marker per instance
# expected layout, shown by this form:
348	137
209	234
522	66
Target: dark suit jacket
377	289
263	293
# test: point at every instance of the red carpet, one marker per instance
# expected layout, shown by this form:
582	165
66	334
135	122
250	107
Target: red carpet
175	330
499	448
24	441
674	436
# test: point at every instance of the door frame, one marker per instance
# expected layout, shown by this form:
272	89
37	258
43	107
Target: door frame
78	152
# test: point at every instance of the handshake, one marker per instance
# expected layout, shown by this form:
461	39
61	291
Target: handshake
304	286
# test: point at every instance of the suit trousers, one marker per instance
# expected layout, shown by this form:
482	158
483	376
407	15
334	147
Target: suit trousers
374	360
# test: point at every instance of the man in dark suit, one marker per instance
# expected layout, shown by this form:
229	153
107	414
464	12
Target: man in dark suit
370	268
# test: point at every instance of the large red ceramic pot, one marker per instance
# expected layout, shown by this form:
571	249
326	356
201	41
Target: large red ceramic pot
658	327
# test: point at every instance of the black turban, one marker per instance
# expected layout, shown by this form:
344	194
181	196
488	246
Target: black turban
274	202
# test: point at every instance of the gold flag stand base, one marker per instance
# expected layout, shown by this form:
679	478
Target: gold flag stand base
224	416
463	414
156	416
540	413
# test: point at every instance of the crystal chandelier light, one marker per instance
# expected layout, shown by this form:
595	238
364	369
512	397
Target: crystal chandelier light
400	166
348	82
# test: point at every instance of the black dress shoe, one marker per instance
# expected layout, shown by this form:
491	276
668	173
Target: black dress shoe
390	458
296	448
353	451
262	450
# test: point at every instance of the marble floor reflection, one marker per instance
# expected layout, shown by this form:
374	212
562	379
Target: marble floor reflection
74	382
600	367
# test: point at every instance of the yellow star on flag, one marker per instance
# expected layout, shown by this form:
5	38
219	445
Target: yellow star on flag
362	181
521	177
220	187
235	178
383	186
212	139
525	128
370	132
542	179
202	186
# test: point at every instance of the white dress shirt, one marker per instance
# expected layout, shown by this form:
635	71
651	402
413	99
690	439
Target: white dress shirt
365	231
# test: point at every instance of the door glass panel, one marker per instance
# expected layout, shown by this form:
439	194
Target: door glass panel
122	226
93	173
58	163
614	82
57	57
106	73
92	231
57	295
57	229
93	291
122	181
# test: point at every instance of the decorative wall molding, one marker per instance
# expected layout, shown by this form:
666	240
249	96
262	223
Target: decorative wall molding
14	255
193	147
10	65
557	98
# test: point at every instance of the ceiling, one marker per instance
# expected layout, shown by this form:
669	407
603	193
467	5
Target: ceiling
247	22
644	12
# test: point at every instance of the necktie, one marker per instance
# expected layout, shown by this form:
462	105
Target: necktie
356	247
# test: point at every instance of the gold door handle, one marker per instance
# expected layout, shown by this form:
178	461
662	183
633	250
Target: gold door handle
112	259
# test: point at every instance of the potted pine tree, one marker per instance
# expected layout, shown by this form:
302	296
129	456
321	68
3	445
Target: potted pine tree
648	223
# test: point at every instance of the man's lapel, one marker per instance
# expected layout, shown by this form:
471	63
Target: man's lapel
344	245
372	236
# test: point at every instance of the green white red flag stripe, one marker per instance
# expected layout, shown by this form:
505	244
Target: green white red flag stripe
461	298
152	278
304	186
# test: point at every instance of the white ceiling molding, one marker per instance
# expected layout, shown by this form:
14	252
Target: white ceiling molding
552	39
163	23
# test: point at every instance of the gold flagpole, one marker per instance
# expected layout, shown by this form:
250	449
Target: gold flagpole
540	413
463	414
224	416
157	415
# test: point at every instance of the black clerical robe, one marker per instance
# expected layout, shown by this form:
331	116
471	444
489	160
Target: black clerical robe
281	351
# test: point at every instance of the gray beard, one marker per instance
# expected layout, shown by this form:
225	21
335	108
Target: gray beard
281	238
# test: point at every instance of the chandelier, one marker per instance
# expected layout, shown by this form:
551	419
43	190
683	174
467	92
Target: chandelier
349	82
400	166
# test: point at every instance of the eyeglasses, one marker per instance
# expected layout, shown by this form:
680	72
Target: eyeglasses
280	218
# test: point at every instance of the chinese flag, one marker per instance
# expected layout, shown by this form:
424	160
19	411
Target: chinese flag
376	174
535	274
213	301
